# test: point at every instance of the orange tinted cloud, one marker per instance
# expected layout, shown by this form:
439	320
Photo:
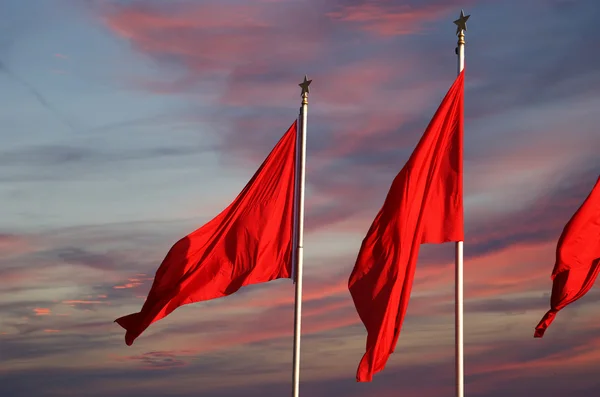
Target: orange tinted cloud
133	283
41	311
82	302
126	286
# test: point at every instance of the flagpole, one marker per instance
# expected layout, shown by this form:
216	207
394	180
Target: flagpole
458	283
299	261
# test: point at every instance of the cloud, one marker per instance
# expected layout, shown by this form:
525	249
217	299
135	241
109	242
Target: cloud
368	110
37	94
66	155
128	285
13	244
82	302
158	360
387	18
40	311
213	39
542	220
80	256
261	70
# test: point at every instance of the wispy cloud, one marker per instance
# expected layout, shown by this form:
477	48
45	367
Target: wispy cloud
40	311
387	18
41	99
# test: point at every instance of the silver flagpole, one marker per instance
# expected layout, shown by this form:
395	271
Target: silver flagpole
461	24
300	242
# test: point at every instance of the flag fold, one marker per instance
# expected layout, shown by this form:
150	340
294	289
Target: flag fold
249	242
424	205
577	258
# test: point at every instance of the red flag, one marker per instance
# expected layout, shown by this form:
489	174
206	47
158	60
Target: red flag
250	242
577	258
424	205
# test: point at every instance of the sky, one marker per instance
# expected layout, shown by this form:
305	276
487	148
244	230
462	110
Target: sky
127	124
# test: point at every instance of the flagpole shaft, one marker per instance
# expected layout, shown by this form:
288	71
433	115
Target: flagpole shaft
458	282
300	246
459	323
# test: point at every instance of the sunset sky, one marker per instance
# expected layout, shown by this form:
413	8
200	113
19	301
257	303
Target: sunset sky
127	124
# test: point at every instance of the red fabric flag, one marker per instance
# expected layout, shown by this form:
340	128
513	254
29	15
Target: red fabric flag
577	258
250	242
424	205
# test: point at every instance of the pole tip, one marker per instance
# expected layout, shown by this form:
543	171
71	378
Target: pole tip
304	85
461	22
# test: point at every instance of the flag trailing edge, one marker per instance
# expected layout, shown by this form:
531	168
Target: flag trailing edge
249	242
424	205
577	258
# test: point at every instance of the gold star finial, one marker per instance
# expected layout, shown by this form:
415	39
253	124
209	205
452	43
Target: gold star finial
461	22
304	85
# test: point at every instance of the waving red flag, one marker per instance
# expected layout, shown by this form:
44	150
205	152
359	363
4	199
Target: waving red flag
424	205
250	242
577	258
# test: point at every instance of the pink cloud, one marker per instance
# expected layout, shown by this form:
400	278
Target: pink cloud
41	311
387	19
82	302
269	326
282	295
12	245
133	283
583	355
249	55
215	39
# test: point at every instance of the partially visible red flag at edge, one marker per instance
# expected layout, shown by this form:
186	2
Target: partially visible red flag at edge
250	242
424	205
577	258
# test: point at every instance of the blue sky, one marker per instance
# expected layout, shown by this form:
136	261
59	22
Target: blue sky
128	124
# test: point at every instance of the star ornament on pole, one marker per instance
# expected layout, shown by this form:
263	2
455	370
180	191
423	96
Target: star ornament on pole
304	85
461	22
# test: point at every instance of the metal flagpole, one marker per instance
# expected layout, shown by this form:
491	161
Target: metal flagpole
300	242
461	27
